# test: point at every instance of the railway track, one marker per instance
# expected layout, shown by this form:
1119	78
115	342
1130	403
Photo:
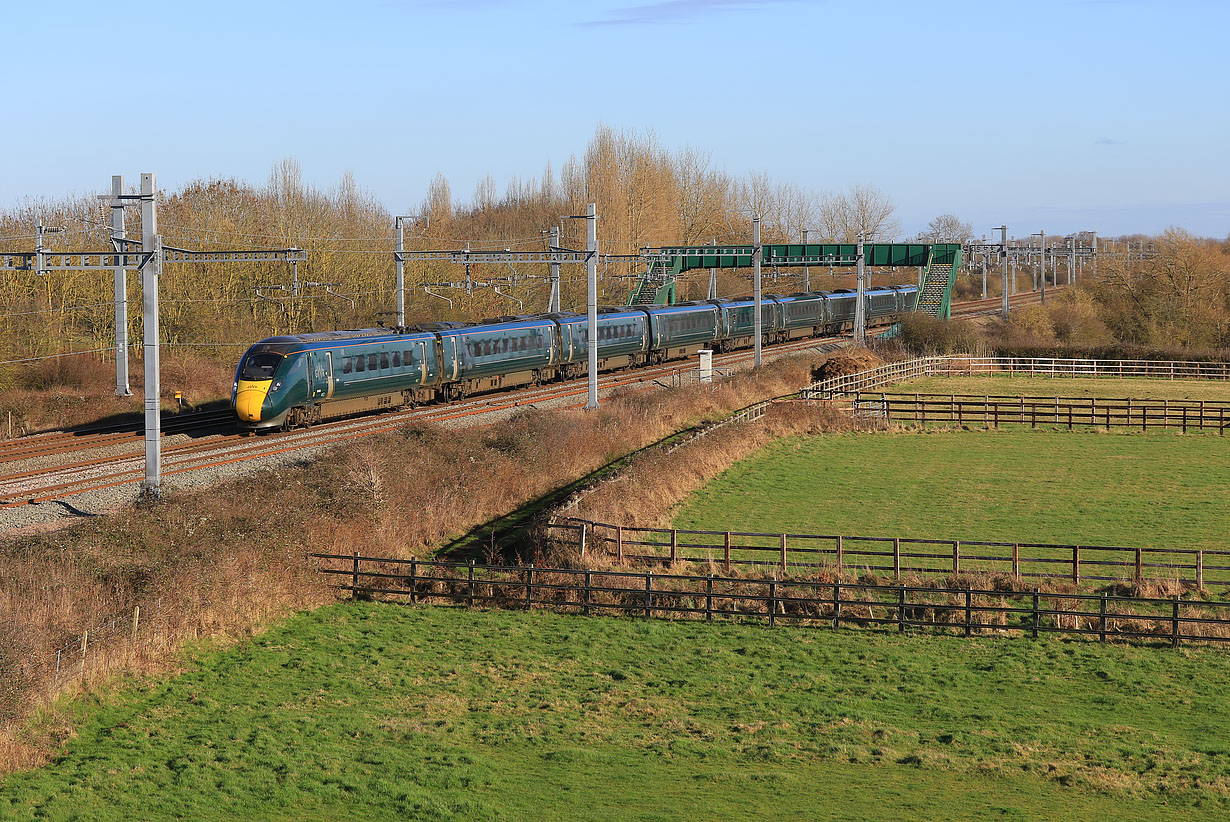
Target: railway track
58	465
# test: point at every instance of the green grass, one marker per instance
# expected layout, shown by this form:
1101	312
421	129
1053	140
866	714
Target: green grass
377	711
1067	387
1157	490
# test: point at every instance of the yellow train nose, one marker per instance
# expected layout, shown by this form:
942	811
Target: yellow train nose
249	397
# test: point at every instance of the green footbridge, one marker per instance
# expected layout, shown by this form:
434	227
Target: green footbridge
939	261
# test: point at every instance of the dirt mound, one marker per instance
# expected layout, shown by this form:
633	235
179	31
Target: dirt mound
847	362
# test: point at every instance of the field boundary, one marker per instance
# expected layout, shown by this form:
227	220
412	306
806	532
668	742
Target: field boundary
920	367
902	555
815	603
992	411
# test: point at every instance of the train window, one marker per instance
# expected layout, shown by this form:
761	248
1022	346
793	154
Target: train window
347	365
525	343
371	362
384	360
407	356
397	359
358	363
260	366
486	348
504	346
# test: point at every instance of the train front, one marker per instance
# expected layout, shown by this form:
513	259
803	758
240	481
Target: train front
258	395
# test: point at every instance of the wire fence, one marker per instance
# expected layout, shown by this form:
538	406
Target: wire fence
112	640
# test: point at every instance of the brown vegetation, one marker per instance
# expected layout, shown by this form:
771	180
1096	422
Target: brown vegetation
646	491
69	391
645	195
226	560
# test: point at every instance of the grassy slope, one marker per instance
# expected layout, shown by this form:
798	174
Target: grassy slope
1158	490
1065	387
385	711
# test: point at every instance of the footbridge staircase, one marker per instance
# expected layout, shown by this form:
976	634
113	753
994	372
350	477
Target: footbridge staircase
656	286
935	289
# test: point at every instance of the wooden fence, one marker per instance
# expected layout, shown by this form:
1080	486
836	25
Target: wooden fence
896	555
964	611
992	411
1015	367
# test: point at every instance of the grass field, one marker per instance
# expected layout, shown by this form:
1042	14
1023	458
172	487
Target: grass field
1067	387
1156	490
389	712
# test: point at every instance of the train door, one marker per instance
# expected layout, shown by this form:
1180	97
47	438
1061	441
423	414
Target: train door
450	365
320	376
427	362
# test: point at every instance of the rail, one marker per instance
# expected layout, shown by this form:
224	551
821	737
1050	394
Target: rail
897	555
815	603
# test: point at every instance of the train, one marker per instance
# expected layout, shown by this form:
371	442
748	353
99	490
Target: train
291	381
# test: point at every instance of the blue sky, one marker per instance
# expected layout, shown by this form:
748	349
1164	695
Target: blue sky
1110	115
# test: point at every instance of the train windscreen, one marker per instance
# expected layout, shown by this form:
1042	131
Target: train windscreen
260	366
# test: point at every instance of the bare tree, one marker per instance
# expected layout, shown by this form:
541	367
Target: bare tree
947	228
863	209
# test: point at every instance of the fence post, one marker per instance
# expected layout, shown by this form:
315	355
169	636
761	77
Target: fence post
840	555
648	594
969	610
414	573
581	537
354	575
901	609
85	640
619	542
728	552
529	586
772	601
896	558
1076	564
709	598
1200	568
1174	624
836	604
783	553
1139	564
470	581
1016	560
1035	616
674	544
587	590
1102	618
57	679
136	620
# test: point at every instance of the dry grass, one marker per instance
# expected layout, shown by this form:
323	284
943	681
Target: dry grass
224	561
650	488
70	391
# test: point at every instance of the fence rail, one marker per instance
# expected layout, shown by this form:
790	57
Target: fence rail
897	555
965	611
992	411
1015	367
